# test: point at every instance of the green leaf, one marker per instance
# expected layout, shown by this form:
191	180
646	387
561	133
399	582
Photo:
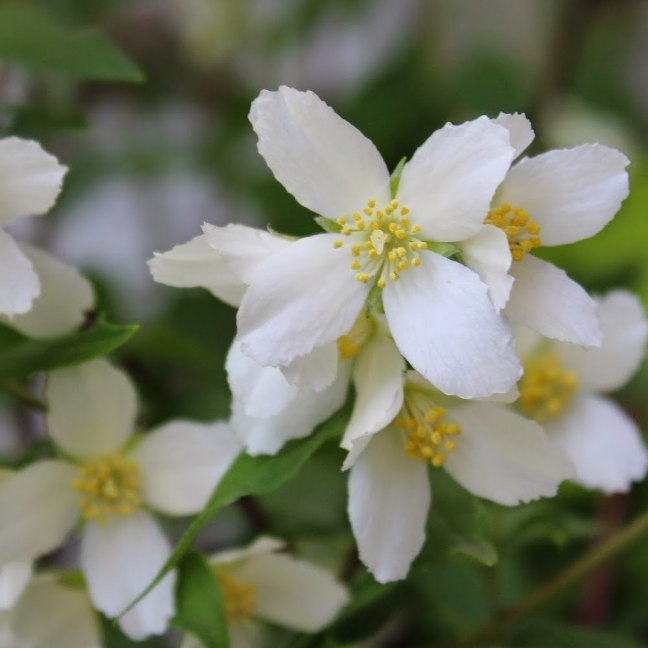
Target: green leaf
31	37
21	356
253	476
477	549
394	180
549	633
200	607
113	637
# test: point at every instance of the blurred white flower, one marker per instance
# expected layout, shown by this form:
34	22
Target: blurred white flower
562	386
554	198
260	584
30	181
492	452
106	478
311	293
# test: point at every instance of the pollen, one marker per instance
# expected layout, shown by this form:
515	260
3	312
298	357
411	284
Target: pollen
239	598
109	486
521	231
546	388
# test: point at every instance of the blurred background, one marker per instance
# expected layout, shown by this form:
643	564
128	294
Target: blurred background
151	161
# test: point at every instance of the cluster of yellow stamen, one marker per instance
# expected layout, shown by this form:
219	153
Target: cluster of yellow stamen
109	486
428	434
361	331
546	388
238	596
522	232
383	242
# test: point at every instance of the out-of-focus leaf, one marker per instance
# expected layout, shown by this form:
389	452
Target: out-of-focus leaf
113	637
549	633
21	356
31	37
200	607
253	476
477	549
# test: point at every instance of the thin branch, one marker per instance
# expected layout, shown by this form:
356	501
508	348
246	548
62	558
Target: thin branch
23	394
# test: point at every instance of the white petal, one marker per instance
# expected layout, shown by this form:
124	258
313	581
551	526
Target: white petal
604	443
14	577
65	297
243	248
299	299
262	391
262	545
520	130
326	163
488	254
91	408
571	193
197	265
389	498
378	377
445	325
526	341
19	284
624	345
450	182
246	635
547	301
181	462
315	370
51	615
30	179
38	508
292	593
119	559
504	457
297	419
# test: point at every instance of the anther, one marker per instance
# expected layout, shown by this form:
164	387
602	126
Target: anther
337	244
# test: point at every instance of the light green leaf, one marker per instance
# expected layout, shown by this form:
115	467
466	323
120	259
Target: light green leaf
21	356
253	476
31	37
200	607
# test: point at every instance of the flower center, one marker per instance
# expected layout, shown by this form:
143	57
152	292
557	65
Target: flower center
109	486
546	388
426	430
522	232
382	241
350	344
238	596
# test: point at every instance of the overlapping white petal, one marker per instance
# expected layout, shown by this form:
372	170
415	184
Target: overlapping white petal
389	498
300	298
91	408
520	130
625	331
14	577
19	285
572	193
291	592
30	179
38	508
604	443
65	297
119	560
181	462
197	265
451	179
546	300
504	457
445	325
325	162
315	370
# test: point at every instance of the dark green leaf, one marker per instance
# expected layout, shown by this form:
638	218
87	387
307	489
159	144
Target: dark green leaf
31	37
200	608
21	356
541	635
253	476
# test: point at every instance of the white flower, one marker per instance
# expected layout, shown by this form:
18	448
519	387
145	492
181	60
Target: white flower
310	293
104	479
260	584
562	387
30	181
554	198
492	452
51	614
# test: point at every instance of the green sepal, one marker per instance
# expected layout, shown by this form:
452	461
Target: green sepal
394	180
443	249
374	301
328	225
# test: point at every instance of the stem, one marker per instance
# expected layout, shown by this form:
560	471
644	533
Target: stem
616	544
23	393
